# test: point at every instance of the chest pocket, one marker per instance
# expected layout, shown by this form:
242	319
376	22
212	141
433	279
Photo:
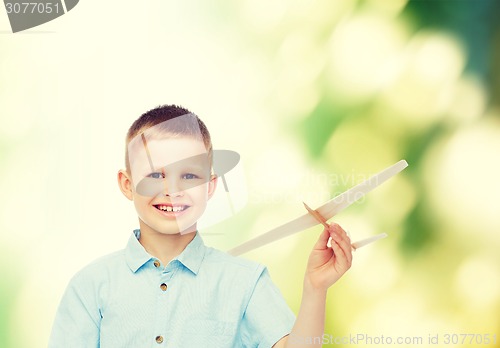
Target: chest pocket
209	333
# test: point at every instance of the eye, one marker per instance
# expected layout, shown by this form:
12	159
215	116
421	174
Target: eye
190	176
156	175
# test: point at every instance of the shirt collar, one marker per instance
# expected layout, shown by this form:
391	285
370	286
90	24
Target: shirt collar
191	257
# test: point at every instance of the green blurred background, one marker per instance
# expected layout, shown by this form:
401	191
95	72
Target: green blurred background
315	96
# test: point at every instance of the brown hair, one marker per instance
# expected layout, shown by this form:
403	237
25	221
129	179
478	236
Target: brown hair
164	113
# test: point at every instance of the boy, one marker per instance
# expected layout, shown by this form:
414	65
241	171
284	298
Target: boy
166	288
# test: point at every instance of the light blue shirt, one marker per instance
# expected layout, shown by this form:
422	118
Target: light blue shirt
202	298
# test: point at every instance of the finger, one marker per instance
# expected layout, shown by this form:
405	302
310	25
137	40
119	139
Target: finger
345	245
345	241
342	233
340	241
340	257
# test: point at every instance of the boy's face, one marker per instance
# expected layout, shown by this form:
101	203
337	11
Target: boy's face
171	183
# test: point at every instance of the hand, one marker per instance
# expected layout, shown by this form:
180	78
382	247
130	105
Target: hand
327	264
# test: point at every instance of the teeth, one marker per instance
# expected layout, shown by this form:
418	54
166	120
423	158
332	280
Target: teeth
169	208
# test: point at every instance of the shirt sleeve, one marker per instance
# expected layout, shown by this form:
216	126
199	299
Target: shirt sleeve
77	320
267	317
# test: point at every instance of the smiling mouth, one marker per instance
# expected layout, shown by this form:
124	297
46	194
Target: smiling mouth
171	208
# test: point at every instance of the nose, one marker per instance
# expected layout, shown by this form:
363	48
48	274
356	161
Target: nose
172	188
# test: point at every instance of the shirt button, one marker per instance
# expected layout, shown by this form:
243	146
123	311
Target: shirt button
163	286
159	339
156	263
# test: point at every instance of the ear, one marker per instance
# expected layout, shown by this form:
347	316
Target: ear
212	185
125	184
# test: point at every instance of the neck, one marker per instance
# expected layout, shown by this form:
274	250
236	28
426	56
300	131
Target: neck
163	246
